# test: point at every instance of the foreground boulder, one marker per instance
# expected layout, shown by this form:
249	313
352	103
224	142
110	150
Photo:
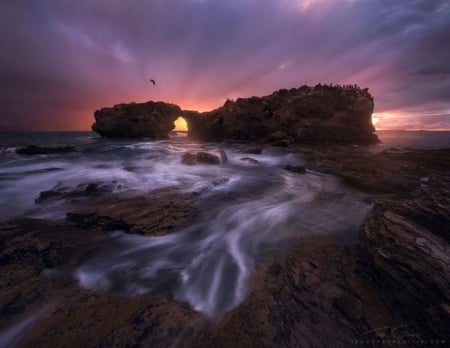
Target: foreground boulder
307	115
191	158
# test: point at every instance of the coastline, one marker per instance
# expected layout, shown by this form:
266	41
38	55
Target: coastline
322	291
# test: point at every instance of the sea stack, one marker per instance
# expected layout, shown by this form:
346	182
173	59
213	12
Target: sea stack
322	114
136	120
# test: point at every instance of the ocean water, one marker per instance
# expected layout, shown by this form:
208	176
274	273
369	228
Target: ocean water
415	139
246	210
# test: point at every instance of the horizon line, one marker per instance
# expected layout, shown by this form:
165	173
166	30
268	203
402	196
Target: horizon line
91	131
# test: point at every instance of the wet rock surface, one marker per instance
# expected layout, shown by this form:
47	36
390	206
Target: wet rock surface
407	234
191	158
254	150
89	190
389	283
250	160
295	169
155	214
33	252
40	150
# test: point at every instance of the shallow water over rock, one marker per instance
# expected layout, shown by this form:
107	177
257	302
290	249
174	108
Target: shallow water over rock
246	210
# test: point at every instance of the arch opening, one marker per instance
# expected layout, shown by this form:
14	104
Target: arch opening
180	127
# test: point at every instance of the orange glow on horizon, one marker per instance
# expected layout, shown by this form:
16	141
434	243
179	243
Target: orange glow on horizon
185	103
201	106
407	121
383	121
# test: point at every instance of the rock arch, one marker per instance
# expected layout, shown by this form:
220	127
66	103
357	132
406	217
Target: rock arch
315	115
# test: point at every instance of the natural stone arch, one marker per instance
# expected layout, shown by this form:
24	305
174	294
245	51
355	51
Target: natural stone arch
307	115
196	124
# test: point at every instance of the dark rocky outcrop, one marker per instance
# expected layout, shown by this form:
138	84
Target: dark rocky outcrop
250	160
387	286
406	237
64	314
39	150
254	150
320	115
82	190
157	214
152	119
295	169
191	158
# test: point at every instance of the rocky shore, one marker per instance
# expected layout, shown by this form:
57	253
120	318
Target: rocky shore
389	285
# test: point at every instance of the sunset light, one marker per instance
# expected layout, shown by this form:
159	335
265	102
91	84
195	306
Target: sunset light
224	173
113	53
375	120
180	124
384	120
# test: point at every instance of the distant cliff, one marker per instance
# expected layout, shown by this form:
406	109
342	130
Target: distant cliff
317	115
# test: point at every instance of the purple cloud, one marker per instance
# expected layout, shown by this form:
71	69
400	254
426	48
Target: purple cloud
63	59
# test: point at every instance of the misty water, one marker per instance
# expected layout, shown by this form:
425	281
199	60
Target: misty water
246	211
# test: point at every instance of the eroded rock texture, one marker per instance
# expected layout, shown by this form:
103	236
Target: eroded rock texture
390	283
319	115
152	119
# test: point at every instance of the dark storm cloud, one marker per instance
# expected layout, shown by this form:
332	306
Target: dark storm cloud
66	58
436	69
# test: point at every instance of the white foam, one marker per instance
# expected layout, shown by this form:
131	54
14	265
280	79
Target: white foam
209	265
245	210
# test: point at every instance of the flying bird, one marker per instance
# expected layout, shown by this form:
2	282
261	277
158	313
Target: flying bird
153	81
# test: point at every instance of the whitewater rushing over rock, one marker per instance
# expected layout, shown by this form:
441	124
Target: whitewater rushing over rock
247	211
258	242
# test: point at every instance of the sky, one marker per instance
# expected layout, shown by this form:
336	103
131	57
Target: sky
63	59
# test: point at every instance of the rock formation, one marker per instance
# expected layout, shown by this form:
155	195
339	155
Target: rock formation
317	115
152	119
320	114
388	286
191	158
39	150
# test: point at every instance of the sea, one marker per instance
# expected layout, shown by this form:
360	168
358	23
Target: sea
247	208
414	139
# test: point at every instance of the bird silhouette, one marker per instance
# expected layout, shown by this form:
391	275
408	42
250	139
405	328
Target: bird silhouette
153	81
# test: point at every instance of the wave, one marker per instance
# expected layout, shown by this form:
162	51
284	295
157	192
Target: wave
248	208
